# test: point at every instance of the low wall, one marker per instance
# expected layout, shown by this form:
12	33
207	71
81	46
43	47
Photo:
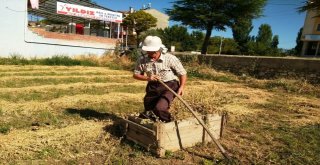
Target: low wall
262	67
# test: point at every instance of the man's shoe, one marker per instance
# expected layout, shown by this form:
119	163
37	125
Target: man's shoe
148	115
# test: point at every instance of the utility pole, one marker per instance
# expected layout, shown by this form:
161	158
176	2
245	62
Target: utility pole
221	39
127	38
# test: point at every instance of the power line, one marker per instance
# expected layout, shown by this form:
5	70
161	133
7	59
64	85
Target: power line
15	10
283	4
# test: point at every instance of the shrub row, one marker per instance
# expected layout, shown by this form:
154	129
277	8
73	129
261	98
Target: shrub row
54	60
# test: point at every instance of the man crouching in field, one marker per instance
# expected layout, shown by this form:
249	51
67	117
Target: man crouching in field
159	66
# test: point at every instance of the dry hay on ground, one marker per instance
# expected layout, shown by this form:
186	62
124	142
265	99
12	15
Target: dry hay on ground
254	115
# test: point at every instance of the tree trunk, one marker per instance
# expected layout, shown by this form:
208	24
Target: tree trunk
205	44
138	42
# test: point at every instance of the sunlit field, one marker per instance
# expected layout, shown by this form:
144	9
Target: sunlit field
67	115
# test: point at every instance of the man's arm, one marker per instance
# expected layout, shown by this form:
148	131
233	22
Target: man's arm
183	80
145	78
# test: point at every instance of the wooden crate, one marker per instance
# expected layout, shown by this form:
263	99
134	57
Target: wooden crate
158	137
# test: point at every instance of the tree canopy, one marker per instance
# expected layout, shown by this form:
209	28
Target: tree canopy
213	14
264	34
140	21
266	43
310	5
299	43
241	33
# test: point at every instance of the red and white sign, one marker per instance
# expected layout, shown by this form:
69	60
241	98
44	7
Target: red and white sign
87	12
34	4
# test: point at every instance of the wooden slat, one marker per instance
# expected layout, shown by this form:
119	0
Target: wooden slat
141	122
147	130
161	148
183	134
159	137
142	140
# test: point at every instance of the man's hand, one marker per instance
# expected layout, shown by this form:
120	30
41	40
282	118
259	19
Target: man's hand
183	80
153	78
180	91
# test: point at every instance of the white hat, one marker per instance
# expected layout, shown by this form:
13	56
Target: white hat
152	43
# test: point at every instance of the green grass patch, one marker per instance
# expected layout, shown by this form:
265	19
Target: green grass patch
60	60
45	95
47	118
46	152
289	144
278	138
20	123
56	73
4	128
292	151
104	110
281	84
122	107
298	87
55	81
65	61
195	73
14	59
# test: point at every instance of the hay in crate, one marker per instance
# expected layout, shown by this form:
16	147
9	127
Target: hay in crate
159	137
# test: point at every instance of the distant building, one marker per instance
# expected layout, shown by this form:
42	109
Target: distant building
73	27
311	34
163	19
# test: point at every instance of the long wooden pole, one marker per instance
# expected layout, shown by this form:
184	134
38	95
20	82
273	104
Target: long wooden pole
223	151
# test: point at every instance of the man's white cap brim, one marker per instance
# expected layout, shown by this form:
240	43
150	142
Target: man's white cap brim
152	48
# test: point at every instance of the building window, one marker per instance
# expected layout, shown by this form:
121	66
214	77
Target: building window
318	28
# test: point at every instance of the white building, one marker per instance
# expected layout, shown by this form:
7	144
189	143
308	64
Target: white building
20	39
311	34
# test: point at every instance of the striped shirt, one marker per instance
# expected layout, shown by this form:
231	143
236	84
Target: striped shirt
168	67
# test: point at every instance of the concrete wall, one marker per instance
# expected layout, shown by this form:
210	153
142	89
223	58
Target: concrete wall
262	67
16	38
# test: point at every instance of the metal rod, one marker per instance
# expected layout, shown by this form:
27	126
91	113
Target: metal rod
223	151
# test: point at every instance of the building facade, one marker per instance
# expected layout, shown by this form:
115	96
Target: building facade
20	36
162	19
311	34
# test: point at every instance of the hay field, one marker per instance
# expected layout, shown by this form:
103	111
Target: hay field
66	115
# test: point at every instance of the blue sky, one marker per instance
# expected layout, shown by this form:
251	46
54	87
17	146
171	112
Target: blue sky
281	15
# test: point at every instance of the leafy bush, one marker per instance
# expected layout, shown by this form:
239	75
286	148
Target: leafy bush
14	59
134	54
188	58
60	60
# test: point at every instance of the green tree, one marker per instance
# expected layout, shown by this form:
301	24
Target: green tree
263	40
241	33
298	47
264	35
274	46
310	5
140	21
275	42
266	43
190	44
177	36
213	14
229	46
197	37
